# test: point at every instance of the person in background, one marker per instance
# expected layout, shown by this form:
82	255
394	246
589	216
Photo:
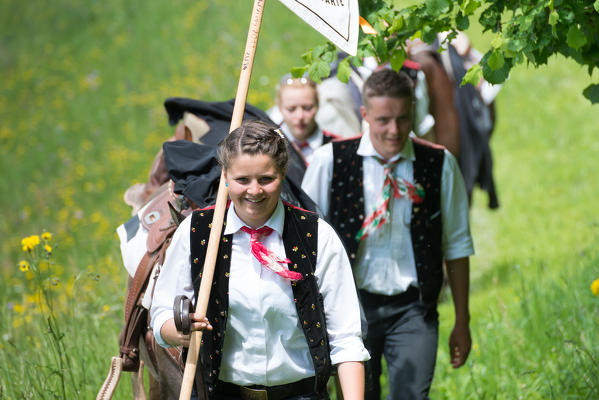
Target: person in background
283	309
400	206
297	101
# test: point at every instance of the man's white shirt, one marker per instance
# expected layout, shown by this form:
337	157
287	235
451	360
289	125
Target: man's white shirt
385	260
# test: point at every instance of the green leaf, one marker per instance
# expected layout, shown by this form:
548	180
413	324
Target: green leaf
518	58
397	59
357	60
596	5
317	51
507	53
397	4
380	46
470	6
567	16
591	92
489	19
531	57
515	43
575	38
319	70
496	60
380	25
437	7
398	24
344	70
554	18
329	56
462	22
413	22
429	34
416	35
497	42
298	72
473	75
524	22
498	75
307	57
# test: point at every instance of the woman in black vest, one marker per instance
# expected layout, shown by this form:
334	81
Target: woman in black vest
283	307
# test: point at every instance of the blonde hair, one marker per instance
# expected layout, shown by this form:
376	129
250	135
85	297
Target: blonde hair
289	81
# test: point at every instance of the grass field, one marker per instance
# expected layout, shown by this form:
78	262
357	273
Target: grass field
81	92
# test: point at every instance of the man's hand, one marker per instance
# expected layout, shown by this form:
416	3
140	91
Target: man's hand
458	272
460	343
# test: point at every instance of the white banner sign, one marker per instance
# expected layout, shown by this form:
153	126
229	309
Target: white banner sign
337	20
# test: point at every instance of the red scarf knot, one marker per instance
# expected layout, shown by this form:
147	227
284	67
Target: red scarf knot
266	257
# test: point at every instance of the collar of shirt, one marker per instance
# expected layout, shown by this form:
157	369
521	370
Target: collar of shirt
366	149
315	140
276	220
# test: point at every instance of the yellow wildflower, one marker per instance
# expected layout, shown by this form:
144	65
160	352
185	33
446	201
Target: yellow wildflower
23	265
31	299
106	308
46	236
595	287
48	248
19	309
28	243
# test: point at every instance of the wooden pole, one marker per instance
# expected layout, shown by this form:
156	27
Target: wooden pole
221	201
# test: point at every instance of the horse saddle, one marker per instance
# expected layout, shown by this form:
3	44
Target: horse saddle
160	217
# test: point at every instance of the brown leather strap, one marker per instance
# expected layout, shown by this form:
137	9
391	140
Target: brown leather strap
112	379
142	274
139	283
136	316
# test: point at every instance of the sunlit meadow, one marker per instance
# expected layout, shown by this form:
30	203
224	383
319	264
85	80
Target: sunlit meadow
82	86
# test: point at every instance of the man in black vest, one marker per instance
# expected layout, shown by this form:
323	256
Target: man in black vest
401	208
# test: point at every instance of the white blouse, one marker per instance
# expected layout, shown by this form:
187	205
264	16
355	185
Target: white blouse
264	343
314	141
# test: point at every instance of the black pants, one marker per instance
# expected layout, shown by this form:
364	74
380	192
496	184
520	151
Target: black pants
406	333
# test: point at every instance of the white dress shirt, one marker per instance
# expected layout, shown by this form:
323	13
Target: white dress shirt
264	343
385	260
314	141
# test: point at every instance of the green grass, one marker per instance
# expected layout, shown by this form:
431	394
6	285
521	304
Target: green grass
81	92
533	316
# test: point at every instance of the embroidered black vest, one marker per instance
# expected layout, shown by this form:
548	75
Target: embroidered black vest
346	209
300	237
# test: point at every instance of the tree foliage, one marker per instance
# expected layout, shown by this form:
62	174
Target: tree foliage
525	31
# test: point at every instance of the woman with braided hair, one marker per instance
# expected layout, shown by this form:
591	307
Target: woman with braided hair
283	309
